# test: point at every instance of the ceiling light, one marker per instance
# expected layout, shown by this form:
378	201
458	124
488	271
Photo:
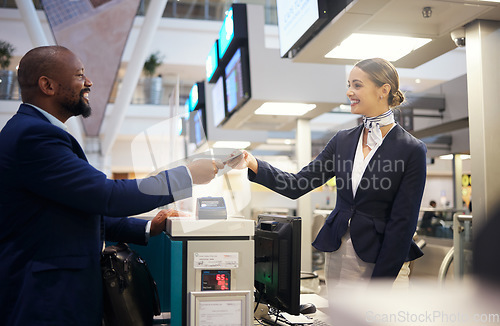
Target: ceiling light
280	141
363	46
450	157
290	109
446	157
342	108
232	144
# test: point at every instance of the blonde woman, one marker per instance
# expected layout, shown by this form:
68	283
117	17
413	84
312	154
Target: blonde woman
380	172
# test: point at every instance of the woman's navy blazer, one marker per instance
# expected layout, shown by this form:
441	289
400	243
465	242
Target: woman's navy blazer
383	215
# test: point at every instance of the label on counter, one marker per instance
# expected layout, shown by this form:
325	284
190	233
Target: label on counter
216	260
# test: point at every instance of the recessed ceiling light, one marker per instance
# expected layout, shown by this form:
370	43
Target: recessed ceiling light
450	157
290	109
342	108
446	157
364	46
280	141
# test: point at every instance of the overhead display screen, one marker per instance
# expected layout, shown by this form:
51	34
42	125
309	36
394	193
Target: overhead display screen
198	135
218	102
294	20
237	81
193	97
226	33
212	62
197	96
233	33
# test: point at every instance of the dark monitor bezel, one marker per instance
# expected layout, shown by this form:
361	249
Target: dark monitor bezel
282	294
327	10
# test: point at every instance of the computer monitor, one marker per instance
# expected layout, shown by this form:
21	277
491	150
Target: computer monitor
197	96
219	111
237	80
197	121
297	25
234	31
277	262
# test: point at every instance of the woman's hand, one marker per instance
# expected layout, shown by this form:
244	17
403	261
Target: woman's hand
246	160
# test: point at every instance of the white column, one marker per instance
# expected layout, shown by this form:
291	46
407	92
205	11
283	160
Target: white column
304	206
32	22
483	78
38	38
134	69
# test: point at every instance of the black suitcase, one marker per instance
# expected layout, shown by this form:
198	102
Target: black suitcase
130	295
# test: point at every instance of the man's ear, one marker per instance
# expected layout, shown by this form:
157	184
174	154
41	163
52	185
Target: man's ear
46	85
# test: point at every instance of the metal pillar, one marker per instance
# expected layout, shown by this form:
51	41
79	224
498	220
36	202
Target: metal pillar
483	78
124	97
457	181
304	206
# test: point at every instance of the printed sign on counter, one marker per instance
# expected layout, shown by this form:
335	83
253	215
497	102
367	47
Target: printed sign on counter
216	260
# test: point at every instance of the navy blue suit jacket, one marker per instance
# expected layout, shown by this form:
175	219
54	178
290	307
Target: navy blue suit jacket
53	206
383	215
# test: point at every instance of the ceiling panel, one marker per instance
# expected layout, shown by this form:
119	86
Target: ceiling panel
399	17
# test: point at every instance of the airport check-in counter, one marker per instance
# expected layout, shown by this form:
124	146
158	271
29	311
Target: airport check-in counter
210	265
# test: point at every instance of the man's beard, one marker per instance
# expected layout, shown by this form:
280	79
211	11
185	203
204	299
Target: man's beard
81	107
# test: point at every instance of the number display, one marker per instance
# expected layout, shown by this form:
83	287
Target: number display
215	280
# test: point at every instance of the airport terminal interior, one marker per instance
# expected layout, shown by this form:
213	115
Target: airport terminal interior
178	80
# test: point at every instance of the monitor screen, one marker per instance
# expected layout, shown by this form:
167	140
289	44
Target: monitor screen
234	31
197	96
226	33
218	102
294	21
193	97
212	63
237	80
297	25
277	261
197	128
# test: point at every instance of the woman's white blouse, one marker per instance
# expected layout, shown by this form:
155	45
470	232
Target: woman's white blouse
360	162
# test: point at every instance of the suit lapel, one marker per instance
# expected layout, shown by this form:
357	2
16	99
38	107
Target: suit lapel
77	148
349	145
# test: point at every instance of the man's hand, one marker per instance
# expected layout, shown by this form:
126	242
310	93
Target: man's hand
204	170
158	223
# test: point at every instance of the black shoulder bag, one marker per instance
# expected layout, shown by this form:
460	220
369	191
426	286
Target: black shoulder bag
130	295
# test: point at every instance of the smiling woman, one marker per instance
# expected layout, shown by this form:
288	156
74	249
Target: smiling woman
380	174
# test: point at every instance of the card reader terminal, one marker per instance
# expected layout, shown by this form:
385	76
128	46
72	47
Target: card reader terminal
211	208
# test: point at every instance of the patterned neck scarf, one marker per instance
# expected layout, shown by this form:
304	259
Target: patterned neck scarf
373	125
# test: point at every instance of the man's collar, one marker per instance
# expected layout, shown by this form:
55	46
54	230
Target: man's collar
53	120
